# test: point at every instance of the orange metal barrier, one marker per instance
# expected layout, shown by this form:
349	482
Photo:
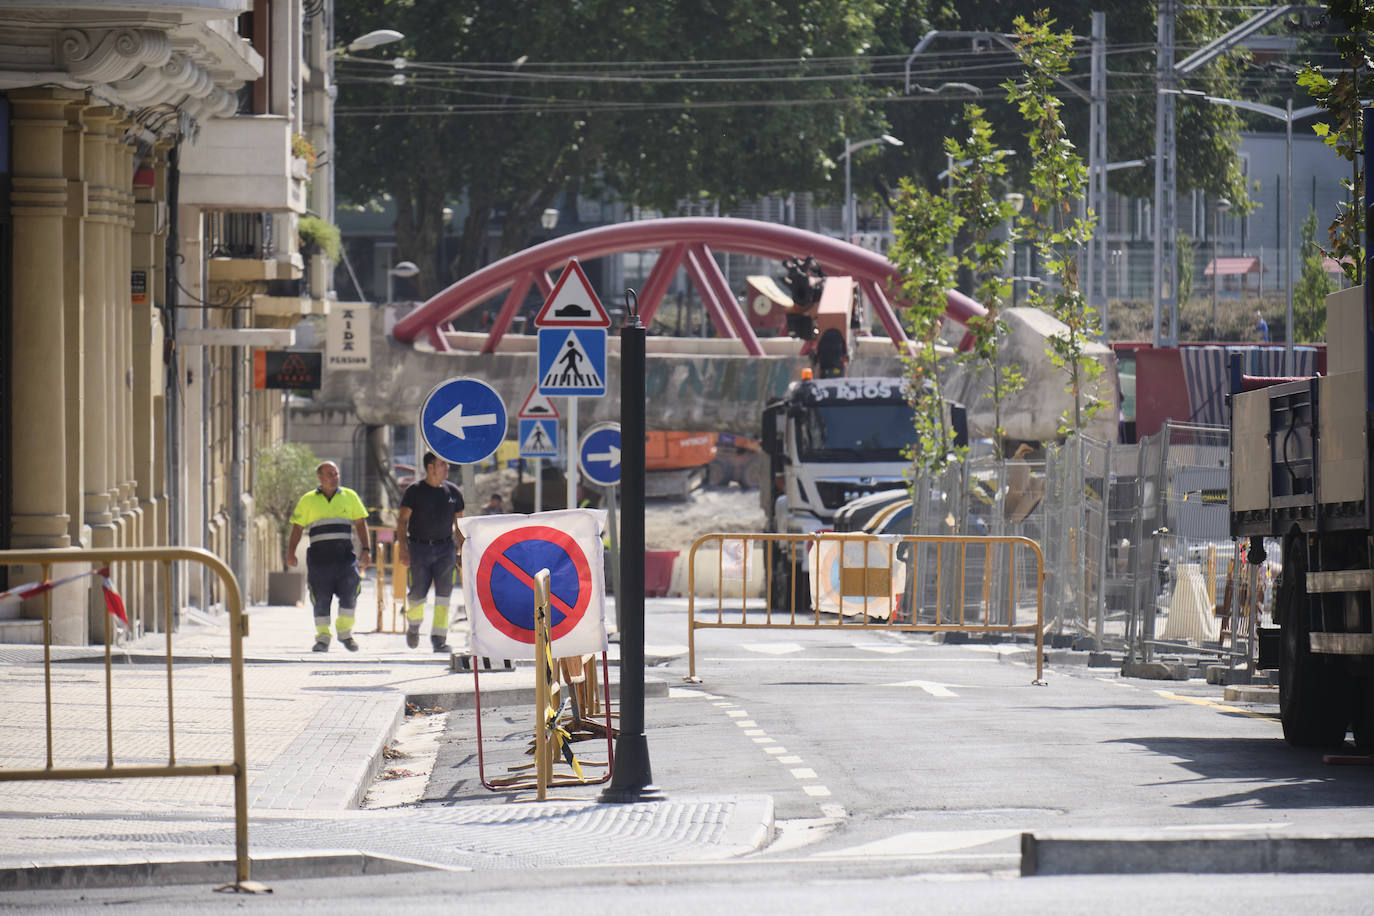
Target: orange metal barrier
910	583
233	602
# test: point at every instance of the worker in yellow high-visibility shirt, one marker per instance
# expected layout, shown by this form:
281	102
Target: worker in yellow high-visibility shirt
333	515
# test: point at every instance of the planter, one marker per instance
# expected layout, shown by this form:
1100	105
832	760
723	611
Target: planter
285	588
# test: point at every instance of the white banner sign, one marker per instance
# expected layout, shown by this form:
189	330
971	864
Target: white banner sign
348	336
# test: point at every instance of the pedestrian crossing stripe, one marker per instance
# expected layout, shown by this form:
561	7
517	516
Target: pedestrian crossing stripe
572	367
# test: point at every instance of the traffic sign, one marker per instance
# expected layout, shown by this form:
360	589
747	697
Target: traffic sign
599	454
463	420
537	407
573	303
572	362
538	438
505	581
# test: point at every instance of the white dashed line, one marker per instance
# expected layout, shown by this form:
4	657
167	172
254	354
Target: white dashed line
747	723
817	792
789	760
775	749
803	773
736	713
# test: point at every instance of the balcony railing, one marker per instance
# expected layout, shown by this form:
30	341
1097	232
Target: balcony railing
240	235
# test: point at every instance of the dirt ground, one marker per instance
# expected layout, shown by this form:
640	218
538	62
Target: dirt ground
668	524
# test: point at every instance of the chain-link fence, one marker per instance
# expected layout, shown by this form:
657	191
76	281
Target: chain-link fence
1138	555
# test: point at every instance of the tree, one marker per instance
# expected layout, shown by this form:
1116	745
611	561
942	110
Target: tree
1342	132
925	226
1187	257
490	121
1208	138
976	182
1058	178
1309	296
281	474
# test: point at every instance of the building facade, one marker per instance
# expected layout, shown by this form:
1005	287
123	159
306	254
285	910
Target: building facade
156	157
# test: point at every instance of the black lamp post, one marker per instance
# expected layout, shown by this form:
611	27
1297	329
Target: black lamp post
632	780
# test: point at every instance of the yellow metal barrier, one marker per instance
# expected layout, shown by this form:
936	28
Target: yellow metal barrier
233	602
874	592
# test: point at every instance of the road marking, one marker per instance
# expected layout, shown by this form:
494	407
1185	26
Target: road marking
792	759
755	732
834	811
934	688
886	650
816	791
803	773
775	749
736	713
764	740
772	648
921	843
1213	704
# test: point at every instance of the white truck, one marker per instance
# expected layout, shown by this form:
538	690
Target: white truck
825	443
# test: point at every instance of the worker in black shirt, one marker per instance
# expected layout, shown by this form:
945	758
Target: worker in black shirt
427	534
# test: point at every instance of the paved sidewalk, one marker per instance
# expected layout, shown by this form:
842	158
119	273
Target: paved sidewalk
317	724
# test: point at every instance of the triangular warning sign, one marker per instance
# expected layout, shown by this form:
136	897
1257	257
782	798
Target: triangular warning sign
537	407
571	367
538	441
573	303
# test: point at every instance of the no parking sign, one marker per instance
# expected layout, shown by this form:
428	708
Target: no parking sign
502	554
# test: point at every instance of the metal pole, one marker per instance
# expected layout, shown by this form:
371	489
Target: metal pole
1216	272
632	780
848	198
1289	365
572	455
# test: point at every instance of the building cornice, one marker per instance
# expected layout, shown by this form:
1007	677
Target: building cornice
169	79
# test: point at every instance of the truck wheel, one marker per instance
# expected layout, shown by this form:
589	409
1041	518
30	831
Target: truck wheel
1314	705
1363	726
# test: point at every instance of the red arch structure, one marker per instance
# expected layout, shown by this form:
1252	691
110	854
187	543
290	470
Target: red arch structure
682	242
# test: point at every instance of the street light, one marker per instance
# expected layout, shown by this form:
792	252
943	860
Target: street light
849	150
373	39
1288	116
405	270
1218	208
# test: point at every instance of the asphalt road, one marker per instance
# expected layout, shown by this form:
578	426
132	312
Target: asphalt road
890	745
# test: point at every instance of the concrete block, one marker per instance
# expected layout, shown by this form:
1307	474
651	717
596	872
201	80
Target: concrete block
1101	660
1152	852
1156	671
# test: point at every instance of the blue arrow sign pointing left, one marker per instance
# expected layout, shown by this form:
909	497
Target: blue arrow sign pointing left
463	420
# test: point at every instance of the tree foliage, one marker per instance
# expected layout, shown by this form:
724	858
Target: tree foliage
1058	179
483	125
1207	135
923	230
1309	295
976	186
281	474
1341	98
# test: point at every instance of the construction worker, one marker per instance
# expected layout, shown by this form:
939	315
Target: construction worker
333	515
428	541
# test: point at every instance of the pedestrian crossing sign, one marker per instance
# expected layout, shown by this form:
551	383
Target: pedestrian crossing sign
538	438
572	362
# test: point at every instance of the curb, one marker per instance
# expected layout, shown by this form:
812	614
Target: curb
1156	853
450	700
212	869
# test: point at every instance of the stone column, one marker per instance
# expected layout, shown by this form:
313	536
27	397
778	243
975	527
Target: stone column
73	292
101	369
39	200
